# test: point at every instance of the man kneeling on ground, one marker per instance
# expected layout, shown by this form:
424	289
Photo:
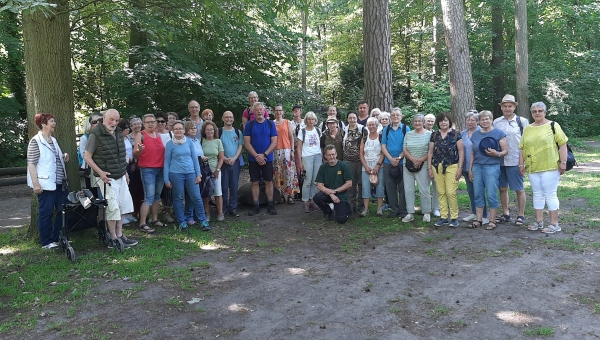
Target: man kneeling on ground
333	181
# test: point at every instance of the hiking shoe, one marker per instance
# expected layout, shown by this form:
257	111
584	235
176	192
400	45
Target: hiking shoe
205	226
191	222
183	226
426	218
454	223
537	225
255	210
380	211
271	210
436	213
113	244
408	218
50	245
233	213
221	217
364	213
328	217
441	222
128	241
306	207
470	218
485	220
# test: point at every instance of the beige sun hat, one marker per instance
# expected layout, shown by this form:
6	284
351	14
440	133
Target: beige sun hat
509	98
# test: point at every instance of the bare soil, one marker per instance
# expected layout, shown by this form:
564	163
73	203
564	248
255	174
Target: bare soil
309	279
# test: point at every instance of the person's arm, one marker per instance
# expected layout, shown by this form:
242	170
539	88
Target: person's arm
299	154
249	147
471	165
522	162
103	175
271	147
504	147
461	157
387	155
167	165
221	157
291	135
363	161
138	147
429	158
37	188
564	154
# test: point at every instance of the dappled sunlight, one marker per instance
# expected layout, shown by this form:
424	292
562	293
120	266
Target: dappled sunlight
239	308
7	250
516	318
228	278
212	246
296	271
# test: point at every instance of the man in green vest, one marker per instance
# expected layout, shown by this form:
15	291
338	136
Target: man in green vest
105	154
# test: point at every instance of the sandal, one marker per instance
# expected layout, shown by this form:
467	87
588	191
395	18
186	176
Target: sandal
503	218
157	223
290	200
551	229
491	226
475	224
536	226
146	229
520	220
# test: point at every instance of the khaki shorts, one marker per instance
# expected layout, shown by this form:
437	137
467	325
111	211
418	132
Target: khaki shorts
118	198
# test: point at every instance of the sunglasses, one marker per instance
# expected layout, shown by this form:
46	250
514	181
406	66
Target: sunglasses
161	121
96	121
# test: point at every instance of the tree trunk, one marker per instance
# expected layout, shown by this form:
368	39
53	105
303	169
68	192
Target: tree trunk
14	54
497	56
438	40
304	51
459	60
521	58
49	83
377	51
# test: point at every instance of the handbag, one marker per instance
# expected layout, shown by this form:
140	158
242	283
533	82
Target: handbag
571	162
410	166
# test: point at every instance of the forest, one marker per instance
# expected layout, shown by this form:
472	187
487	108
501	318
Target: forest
141	56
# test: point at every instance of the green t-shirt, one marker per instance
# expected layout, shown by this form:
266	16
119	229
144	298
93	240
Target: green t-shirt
334	177
211	150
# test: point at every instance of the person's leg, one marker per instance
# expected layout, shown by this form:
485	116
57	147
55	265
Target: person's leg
402	204
451	188
322	201
234	186
516	183
366	189
355	170
422	178
226	174
195	199
503	187
45	211
148	183
307	164
550	180
218	194
478	190
440	184
435	196
159	182
392	191
380	189
490	178
317	161
342	211
178	181
470	191
59	198
408	179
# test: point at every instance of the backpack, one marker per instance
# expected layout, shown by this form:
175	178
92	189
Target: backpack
270	122
571	162
304	133
387	130
521	125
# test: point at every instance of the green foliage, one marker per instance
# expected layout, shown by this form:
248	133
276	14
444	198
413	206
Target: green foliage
13	142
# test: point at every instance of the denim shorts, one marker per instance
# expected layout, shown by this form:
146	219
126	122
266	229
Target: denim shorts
153	180
510	177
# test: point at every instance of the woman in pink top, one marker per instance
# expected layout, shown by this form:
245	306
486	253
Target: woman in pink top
150	151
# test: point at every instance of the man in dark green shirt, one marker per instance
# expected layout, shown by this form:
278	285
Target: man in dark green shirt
333	181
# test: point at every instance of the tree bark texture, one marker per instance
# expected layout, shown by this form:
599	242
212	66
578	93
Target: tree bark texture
459	60
497	56
304	15
49	83
377	52
522	59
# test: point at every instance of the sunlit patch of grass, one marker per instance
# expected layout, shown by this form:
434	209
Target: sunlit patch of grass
540	331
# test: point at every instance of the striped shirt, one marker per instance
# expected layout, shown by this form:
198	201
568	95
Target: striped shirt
417	144
33	157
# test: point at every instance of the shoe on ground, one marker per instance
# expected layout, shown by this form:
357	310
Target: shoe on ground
426	218
393	215
470	218
205	226
408	218
385	207
113	244
485	220
50	245
454	223
537	225
364	213
128	241
328	217
169	219
183	226
221	217
436	213
271	210
380	211
191	222
234	213
306	207
441	222
255	210
551	229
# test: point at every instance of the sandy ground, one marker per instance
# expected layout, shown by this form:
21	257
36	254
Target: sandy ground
314	282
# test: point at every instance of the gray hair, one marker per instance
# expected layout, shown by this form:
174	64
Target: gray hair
372	120
540	105
88	122
384	114
420	117
312	115
146	116
257	104
134	120
375	110
430	116
472	113
252	93
486	113
397	109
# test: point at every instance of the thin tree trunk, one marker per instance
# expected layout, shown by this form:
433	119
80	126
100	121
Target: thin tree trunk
14	54
521	58
49	81
377	51
304	51
459	60
497	56
438	40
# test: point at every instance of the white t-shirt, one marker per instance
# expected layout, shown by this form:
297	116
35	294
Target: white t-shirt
372	151
312	144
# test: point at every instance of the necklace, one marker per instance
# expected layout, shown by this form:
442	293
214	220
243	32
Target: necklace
178	141
279	121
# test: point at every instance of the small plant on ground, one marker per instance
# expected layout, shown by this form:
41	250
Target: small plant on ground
540	331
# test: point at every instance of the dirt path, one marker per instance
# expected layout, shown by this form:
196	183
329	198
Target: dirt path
311	280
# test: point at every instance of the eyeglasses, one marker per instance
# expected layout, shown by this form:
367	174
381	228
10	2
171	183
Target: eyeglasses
150	122
194	128
177	129
161	121
99	120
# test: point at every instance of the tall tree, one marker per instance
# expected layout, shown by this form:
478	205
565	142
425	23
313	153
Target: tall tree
49	82
459	59
377	54
497	55
522	58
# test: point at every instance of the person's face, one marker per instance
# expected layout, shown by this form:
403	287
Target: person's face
253	98
228	119
194	109
471	122
331	156
259	112
363	109
485	122
125	131
444	124
332	126
508	108
429	123
310	122
210	132
418	123
161	123
332	111
111	121
372	126
170	120
278	111
150	124
385	121
538	113
178	130
192	131
95	120
136	126
297	112
50	125
395	117
352	119
375	114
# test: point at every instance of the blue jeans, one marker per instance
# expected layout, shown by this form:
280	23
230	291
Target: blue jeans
472	195
48	203
186	183
311	165
230	179
153	181
485	184
366	185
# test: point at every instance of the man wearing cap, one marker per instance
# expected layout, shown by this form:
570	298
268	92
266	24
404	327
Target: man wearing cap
333	136
510	176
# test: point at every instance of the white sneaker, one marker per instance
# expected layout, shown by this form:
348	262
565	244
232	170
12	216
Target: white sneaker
485	220
426	218
408	218
470	218
331	206
436	213
131	218
221	217
50	245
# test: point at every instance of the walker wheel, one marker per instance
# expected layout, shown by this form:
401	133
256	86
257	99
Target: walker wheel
71	254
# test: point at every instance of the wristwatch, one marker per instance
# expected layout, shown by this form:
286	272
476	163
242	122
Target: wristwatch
335	191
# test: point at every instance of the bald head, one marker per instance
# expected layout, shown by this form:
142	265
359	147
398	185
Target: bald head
111	120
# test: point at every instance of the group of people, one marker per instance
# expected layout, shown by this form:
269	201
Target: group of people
335	169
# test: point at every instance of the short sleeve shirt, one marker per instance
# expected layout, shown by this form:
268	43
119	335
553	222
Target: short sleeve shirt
260	137
334	177
513	137
478	157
